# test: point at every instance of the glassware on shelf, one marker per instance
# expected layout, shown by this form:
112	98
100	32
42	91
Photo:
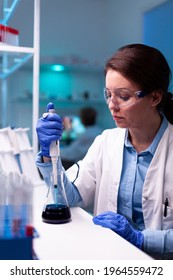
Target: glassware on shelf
9	35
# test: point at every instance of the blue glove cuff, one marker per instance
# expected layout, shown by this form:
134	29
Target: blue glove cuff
44	152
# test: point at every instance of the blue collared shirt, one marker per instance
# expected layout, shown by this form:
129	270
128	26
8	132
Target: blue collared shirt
133	174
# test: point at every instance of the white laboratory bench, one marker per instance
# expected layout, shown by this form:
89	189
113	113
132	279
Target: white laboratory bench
79	239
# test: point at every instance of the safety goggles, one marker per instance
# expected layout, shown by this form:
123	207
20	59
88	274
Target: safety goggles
123	97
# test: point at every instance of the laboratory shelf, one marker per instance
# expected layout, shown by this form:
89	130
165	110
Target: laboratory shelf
15	49
13	57
8	10
75	102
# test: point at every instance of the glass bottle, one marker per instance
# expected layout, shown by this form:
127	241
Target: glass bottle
56	209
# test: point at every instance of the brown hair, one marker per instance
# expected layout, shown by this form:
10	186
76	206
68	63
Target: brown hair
147	67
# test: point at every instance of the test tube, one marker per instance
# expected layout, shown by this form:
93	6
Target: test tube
27	204
2	204
22	202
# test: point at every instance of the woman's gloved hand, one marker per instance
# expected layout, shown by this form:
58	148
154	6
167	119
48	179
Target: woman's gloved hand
121	226
49	128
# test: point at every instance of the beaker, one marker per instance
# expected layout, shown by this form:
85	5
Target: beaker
56	209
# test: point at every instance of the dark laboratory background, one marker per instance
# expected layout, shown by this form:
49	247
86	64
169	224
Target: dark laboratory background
76	38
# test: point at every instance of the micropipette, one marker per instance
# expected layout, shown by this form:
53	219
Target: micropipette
54	153
54	148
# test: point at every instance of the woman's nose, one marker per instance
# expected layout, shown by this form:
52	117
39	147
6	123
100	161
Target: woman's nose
113	105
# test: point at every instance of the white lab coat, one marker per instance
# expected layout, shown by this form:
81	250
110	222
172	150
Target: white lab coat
99	174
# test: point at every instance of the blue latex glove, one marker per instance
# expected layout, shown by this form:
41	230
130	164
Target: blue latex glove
49	128
121	226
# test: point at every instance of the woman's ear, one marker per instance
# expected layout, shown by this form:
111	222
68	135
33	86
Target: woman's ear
156	97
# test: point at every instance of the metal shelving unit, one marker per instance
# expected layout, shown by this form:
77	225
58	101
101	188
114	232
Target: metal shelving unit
13	57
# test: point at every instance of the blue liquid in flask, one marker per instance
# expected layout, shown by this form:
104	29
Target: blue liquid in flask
56	214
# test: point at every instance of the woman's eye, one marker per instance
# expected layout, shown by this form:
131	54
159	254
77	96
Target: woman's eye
108	94
124	97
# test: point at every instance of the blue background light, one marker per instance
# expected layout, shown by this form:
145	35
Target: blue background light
57	67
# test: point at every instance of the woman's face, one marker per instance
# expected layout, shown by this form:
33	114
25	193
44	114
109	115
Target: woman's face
135	115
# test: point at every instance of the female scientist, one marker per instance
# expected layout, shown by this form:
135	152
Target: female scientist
127	172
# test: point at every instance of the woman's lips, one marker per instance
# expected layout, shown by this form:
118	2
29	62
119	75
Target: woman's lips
117	118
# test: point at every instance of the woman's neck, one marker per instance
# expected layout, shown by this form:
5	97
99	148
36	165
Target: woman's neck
141	139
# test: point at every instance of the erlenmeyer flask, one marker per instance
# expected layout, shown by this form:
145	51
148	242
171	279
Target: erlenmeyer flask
56	209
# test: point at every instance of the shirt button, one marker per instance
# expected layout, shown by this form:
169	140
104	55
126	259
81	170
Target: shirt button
145	197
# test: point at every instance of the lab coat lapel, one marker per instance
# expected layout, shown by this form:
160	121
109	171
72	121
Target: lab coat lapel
156	185
116	156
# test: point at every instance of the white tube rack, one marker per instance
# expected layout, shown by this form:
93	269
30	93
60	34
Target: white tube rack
8	160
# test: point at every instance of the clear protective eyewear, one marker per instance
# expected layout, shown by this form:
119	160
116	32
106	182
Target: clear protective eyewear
123	97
